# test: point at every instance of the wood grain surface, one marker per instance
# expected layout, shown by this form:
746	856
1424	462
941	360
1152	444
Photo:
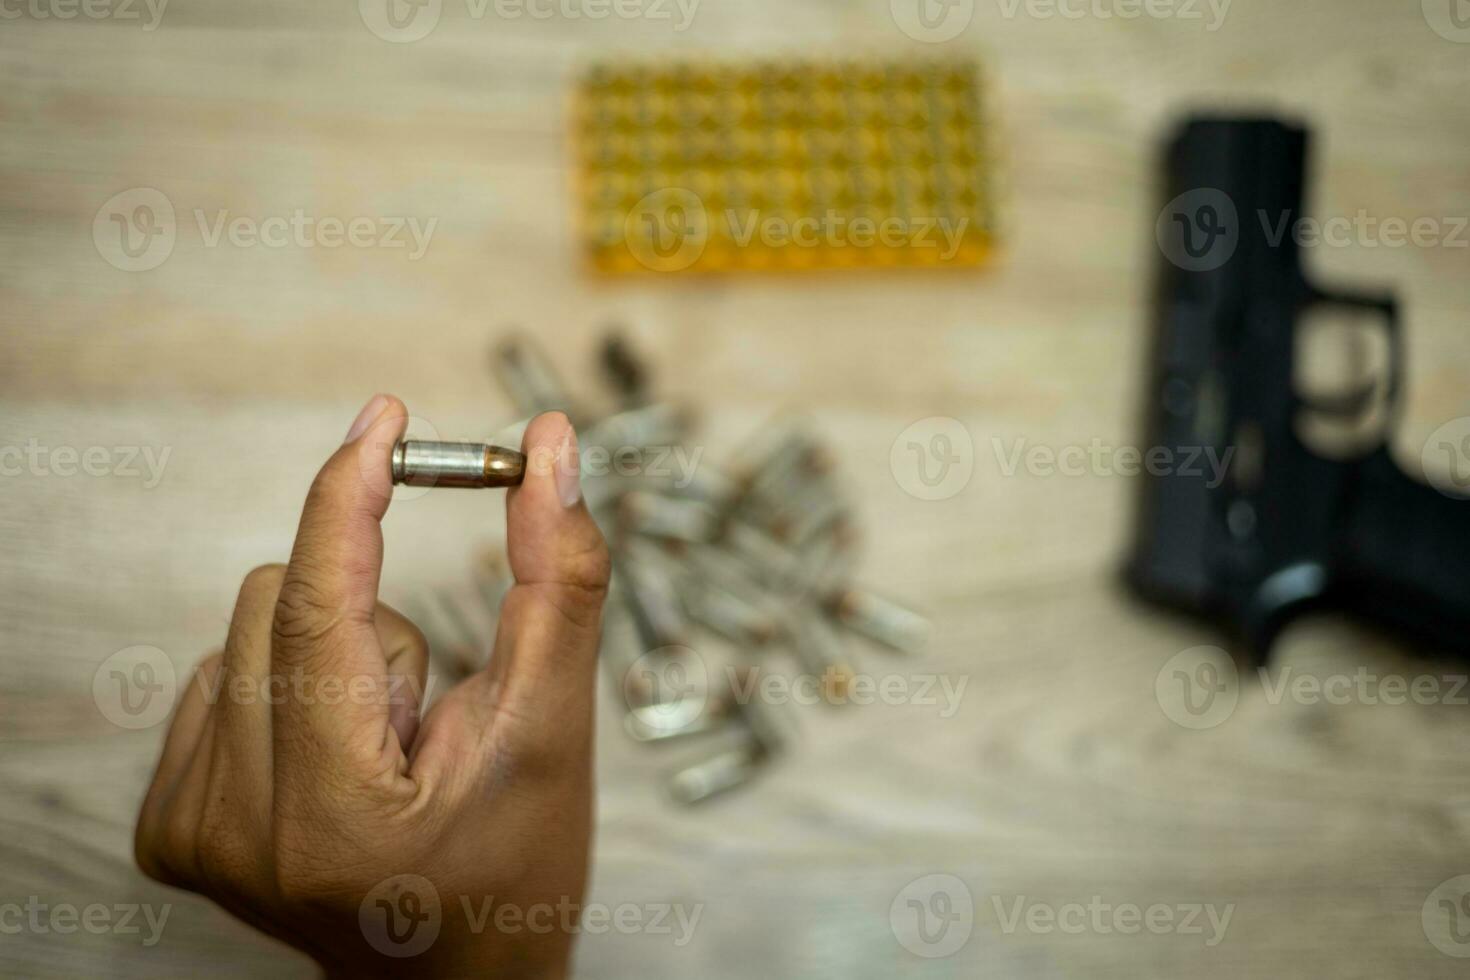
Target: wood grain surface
1059	780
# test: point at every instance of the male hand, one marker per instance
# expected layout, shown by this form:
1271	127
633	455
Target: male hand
299	788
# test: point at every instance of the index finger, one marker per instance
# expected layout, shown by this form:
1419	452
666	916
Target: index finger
323	639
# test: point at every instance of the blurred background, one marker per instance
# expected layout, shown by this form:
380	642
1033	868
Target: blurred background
176	360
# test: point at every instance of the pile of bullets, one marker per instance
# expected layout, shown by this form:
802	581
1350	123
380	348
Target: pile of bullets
716	573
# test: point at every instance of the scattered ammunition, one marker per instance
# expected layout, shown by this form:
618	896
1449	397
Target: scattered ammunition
651	723
806	507
653	426
731	616
653	603
722	771
792	477
879	619
643	725
819	511
718	566
822	653
621	643
624	372
761	554
662	516
827	563
732	766
528	379
768	477
671	679
768	559
709	486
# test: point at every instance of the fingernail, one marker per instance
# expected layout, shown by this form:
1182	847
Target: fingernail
568	475
366	417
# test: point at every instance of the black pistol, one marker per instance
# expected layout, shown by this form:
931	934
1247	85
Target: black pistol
1290	527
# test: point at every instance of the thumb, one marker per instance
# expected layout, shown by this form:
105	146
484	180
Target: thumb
545	658
556	549
541	679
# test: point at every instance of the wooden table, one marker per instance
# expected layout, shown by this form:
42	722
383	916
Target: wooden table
1326	827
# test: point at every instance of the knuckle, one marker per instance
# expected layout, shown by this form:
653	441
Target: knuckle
402	633
337	477
178	835
304	615
224	864
263	583
302	885
169	853
589	567
146	853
